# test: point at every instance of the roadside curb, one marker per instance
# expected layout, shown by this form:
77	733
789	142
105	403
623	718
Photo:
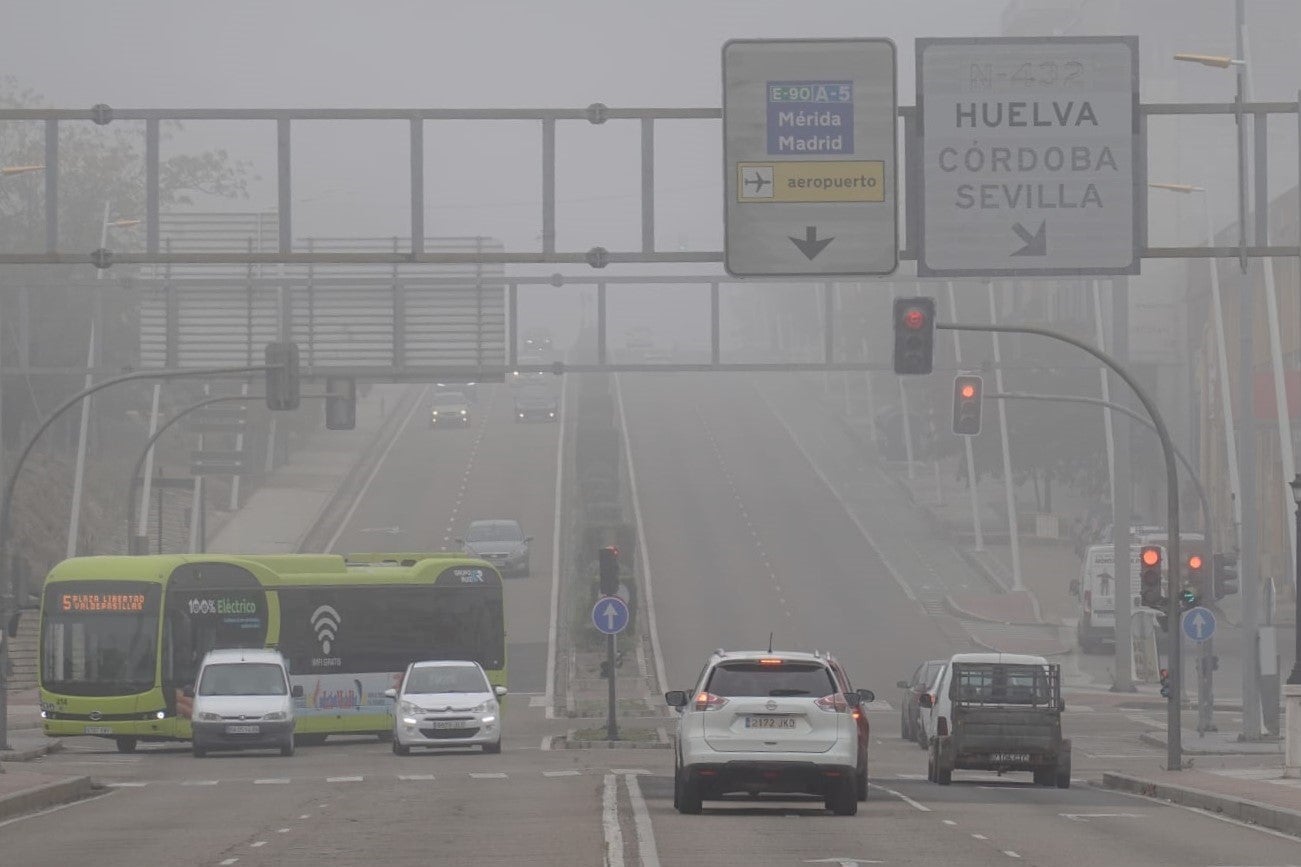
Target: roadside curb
1158	741
1254	812
1062	651
971	615
63	791
31	753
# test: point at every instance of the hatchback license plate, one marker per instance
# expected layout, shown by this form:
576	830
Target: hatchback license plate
98	730
242	730
450	724
769	722
1010	757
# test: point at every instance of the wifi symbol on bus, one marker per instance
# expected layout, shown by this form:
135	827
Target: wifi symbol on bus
325	621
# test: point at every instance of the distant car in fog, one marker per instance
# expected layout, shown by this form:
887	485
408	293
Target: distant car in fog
910	722
519	377
536	403
450	408
501	542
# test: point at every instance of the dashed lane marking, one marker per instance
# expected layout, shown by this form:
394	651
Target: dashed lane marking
901	796
127	785
344	779
273	781
561	773
415	777
497	776
1009	853
258	844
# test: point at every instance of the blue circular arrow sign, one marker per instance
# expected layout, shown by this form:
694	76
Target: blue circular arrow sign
1198	624
610	615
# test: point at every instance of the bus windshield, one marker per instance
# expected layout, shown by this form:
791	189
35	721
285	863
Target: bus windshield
100	637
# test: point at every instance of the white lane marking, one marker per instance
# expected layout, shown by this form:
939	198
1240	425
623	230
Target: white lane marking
650	856
894	573
610	819
1009	853
272	781
554	613
901	796
546	739
199	783
561	773
629	771
496	776
908	776
1084	817
305	816
413	777
227	862
27	816
283	830
980	836
539	700
343	779
258	844
660	671
127	785
356	501
950	822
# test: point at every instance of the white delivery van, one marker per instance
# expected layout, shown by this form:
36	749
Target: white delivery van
1095	595
243	700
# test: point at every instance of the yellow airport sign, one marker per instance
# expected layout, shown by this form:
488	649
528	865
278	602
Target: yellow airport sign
811	181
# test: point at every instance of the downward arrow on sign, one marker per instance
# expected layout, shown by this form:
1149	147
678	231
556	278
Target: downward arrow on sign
811	245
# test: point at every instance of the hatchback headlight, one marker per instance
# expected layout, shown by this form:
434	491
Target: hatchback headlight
276	715
209	717
409	709
465	412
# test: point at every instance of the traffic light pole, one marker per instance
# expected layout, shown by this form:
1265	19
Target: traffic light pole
1206	657
1174	732
7	611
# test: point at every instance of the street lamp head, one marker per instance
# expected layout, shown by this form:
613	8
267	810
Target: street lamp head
1219	61
1295	485
1177	188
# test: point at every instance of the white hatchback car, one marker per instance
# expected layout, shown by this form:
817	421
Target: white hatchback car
760	721
446	703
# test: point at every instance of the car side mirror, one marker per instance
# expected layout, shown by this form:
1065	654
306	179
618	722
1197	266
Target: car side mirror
499	691
925	700
390	693
1075	587
188	692
866	696
853	699
676	698
902	684
296	691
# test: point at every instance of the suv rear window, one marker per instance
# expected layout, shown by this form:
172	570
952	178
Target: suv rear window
786	679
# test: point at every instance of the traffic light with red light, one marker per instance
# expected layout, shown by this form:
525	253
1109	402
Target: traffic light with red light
914	335
1150	576
609	570
1197	579
968	396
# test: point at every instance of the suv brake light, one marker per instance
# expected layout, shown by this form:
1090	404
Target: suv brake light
834	703
709	701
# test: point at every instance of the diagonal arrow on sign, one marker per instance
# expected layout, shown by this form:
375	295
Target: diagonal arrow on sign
1036	244
811	245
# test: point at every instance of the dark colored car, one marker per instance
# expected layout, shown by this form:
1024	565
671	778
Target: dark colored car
536	404
502	543
910	719
860	718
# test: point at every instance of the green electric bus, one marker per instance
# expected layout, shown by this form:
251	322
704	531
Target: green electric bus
121	638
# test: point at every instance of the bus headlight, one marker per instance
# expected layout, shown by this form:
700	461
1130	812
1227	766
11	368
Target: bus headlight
162	714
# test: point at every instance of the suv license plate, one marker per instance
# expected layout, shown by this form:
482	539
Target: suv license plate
754	721
97	730
1010	757
242	730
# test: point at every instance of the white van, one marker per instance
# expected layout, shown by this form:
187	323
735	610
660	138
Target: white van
242	700
1095	595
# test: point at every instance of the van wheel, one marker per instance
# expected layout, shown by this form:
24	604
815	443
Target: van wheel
399	750
689	801
287	748
199	752
1063	776
842	799
127	744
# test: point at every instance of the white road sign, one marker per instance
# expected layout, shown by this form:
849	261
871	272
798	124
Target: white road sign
809	153
1032	157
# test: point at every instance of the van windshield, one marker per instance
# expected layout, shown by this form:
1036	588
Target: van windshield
243	678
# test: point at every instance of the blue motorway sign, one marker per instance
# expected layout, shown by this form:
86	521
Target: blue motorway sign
610	615
810	117
1198	624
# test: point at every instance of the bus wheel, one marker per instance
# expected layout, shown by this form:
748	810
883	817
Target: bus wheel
127	744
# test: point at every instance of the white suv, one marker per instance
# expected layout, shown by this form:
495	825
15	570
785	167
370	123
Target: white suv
766	722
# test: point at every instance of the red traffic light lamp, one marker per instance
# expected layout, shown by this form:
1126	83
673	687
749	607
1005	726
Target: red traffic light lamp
1150	576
